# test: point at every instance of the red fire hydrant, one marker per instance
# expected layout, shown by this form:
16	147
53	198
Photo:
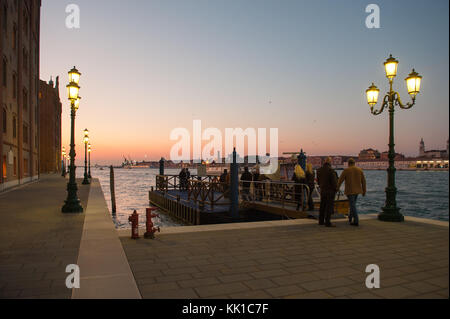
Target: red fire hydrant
134	220
150	229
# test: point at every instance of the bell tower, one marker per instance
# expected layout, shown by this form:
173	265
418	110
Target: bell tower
422	148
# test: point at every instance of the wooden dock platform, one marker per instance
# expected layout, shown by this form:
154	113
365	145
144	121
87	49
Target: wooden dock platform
177	204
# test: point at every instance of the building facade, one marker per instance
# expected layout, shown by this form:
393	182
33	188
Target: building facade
50	127
369	154
19	87
432	153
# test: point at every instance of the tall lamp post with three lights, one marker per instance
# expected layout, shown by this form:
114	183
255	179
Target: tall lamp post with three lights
391	212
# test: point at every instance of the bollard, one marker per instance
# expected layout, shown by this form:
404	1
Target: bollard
234	187
150	233
112	190
134	220
161	166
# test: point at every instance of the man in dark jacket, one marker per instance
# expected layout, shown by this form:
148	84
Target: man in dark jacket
182	177
327	181
246	179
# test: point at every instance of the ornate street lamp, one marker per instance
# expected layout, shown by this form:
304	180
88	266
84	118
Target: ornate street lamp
72	203
89	159
63	162
86	142
390	210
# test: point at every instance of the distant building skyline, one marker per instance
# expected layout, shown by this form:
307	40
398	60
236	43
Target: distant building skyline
149	67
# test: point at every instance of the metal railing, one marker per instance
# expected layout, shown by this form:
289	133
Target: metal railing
268	192
208	190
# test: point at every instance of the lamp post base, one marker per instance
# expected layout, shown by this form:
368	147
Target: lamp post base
86	180
72	206
391	214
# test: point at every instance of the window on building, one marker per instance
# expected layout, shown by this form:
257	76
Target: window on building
25	100
25	133
5	122
14	85
14	127
15	166
25	166
4	73
4	168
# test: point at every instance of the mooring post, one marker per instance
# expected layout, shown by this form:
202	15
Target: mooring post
161	166
113	193
234	187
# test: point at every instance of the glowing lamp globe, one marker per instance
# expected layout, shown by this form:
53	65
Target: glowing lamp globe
74	76
86	136
76	104
413	82
390	67
372	95
73	90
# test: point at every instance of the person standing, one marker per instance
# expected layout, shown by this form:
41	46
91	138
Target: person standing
223	181
310	177
246	179
182	178
355	184
327	181
299	178
257	186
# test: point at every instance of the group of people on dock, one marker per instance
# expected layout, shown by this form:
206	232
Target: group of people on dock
327	179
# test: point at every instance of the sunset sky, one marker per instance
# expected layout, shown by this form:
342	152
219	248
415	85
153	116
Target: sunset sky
151	66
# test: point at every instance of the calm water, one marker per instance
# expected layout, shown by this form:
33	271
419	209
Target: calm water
420	194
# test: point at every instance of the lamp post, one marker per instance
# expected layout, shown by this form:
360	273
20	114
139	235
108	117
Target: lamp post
391	212
89	160
63	162
86	141
72	203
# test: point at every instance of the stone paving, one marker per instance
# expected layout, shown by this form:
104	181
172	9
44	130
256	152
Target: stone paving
296	260
37	241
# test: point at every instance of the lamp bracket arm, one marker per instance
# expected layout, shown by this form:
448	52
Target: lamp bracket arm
383	106
397	101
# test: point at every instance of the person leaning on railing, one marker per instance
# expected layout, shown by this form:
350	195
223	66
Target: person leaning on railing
257	185
224	181
299	178
246	179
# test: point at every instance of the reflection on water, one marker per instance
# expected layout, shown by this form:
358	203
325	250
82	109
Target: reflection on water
420	194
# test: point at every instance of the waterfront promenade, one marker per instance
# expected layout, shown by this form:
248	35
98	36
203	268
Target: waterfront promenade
37	241
293	259
271	259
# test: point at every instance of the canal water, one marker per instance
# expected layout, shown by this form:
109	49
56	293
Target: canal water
420	193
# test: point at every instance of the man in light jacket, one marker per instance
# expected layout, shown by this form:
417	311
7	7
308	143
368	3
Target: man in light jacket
355	184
